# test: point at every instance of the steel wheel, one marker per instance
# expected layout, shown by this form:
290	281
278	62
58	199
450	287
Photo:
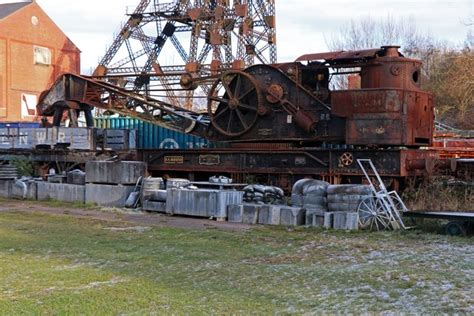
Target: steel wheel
372	214
346	159
384	219
398	203
233	103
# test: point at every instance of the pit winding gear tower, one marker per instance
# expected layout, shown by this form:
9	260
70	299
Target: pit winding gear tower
175	50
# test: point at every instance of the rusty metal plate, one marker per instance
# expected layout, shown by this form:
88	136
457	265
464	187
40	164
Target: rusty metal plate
348	103
340	55
174	160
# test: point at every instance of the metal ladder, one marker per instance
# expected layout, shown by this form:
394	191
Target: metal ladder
391	202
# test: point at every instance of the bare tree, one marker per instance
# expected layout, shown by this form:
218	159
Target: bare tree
452	84
447	71
368	32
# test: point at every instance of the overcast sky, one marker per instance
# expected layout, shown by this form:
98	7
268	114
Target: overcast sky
302	25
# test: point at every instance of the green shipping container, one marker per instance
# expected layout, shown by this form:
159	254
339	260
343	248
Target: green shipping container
150	136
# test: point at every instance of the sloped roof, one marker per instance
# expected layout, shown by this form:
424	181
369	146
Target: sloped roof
9	8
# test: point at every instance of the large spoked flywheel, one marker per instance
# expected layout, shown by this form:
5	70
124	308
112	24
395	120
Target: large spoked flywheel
233	103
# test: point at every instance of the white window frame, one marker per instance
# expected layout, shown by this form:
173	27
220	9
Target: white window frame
41	55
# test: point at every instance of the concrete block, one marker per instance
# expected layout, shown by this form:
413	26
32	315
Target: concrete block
108	195
202	203
225	198
170	196
315	217
6	187
352	221
269	215
250	213
346	221
328	220
153	206
339	220
105	172
292	216
235	213
60	192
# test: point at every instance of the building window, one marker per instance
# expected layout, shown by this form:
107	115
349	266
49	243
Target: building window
42	55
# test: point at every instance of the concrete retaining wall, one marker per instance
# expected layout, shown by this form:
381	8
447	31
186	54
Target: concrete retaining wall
153	206
202	203
6	188
61	192
107	195
266	214
124	172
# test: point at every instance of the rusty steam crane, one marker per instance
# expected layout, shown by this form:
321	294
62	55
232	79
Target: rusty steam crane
280	119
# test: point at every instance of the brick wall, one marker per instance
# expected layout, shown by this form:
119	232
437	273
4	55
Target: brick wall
22	78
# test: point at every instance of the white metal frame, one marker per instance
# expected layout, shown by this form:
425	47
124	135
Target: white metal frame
390	202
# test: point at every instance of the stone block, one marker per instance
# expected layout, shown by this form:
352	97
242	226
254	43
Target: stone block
352	221
339	220
269	215
328	220
315	217
346	221
292	216
153	206
106	172
202	203
108	195
235	213
60	192
6	187
225	198
250	213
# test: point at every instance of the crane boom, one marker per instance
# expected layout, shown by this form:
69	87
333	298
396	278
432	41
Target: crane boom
76	92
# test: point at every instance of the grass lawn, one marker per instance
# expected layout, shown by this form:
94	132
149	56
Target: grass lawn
61	264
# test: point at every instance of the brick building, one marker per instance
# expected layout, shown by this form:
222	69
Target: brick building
33	52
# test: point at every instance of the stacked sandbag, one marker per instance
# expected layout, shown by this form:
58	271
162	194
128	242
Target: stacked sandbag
346	197
309	193
261	194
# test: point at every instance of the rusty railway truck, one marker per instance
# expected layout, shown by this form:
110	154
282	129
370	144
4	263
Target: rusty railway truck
281	122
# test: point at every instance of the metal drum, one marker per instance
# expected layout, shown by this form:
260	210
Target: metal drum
153	190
